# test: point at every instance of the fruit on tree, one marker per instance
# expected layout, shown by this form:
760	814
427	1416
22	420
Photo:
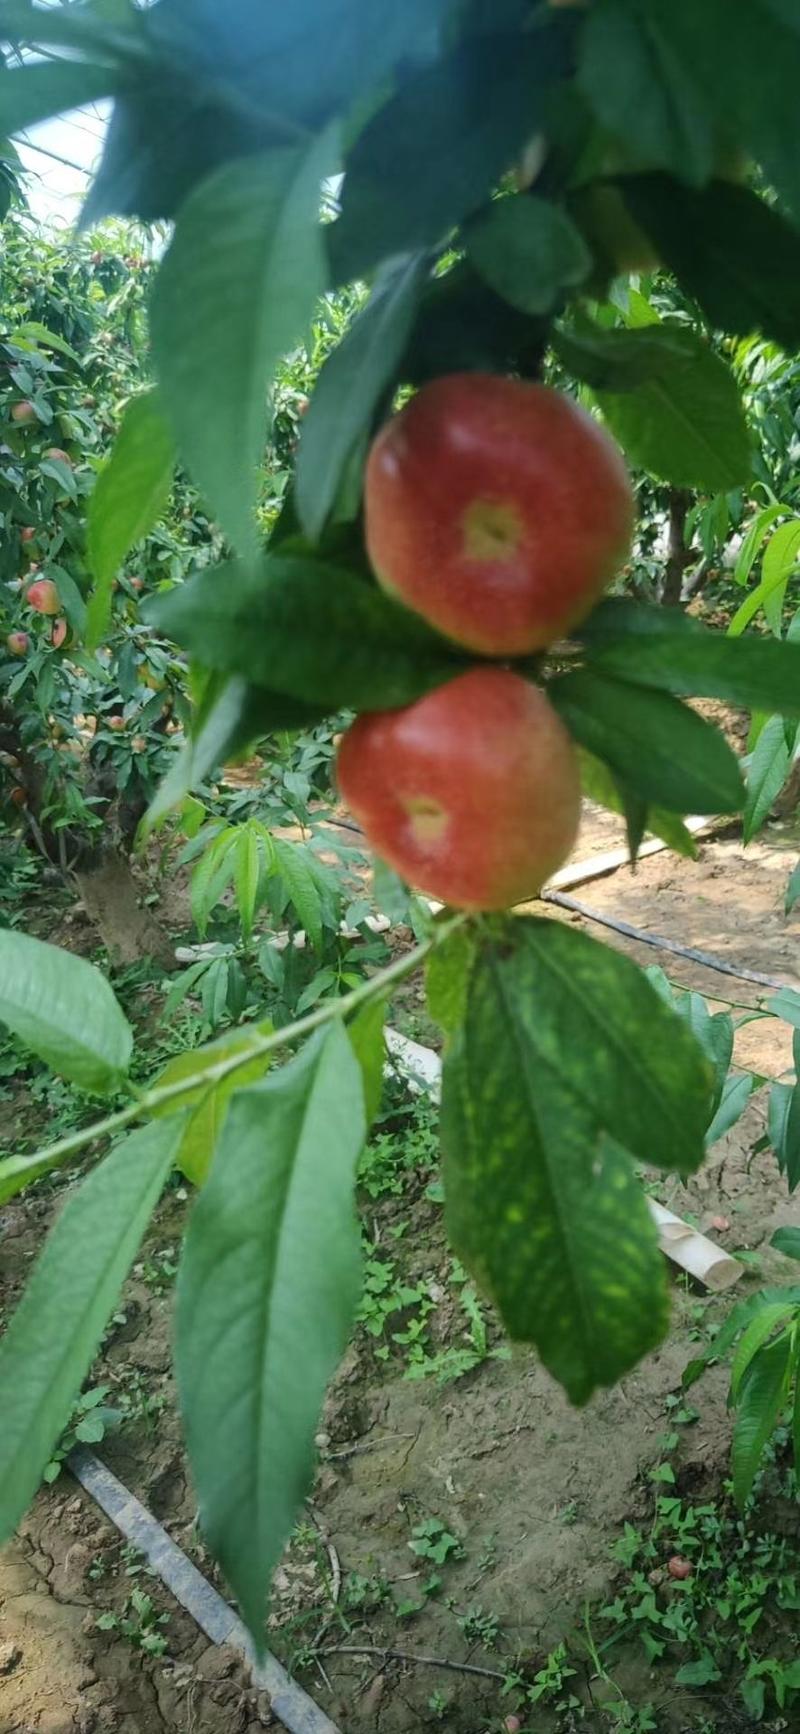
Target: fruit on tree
139	744
148	677
116	723
137	583
18	643
43	596
23	412
497	509
57	455
18	796
472	793
27	533
58	635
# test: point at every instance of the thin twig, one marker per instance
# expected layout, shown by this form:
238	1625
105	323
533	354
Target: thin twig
151	1100
367	1445
416	1661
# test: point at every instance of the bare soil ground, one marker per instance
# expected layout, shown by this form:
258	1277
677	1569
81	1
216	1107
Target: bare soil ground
531	1492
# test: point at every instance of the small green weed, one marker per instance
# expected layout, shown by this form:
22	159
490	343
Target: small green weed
139	1622
90	1420
432	1540
480	1627
385	1295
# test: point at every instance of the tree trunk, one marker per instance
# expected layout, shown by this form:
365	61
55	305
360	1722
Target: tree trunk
109	894
678	556
102	873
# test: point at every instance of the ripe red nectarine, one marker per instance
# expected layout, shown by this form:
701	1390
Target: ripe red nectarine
43	596
472	793
498	510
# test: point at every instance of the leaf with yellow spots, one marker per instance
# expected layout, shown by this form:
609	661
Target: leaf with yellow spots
566	1061
447	976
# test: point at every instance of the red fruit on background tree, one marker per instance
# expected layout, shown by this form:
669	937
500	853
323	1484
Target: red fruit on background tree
58	636
18	643
57	455
43	596
472	793
27	533
496	509
23	412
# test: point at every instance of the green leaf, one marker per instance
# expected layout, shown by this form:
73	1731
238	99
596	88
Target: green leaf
62	1008
283	63
787	1241
753	538
249	296
463	326
566	1054
604	786
766	775
311	630
266	1296
438	147
641	93
730	250
761	1400
743	60
447	976
700	1673
301	886
753	1694
350	387
212	875
550	1220
736	1092
33	93
783	1126
785	1004
664	648
792	890
684	422
753	1338
735	1322
61	473
55	1332
665	752
205	1108
247	873
365	1034
129	496
629	1058
715	1034
528	251
791	1131
779	560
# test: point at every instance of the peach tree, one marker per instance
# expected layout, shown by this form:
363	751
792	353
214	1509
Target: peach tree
490	173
